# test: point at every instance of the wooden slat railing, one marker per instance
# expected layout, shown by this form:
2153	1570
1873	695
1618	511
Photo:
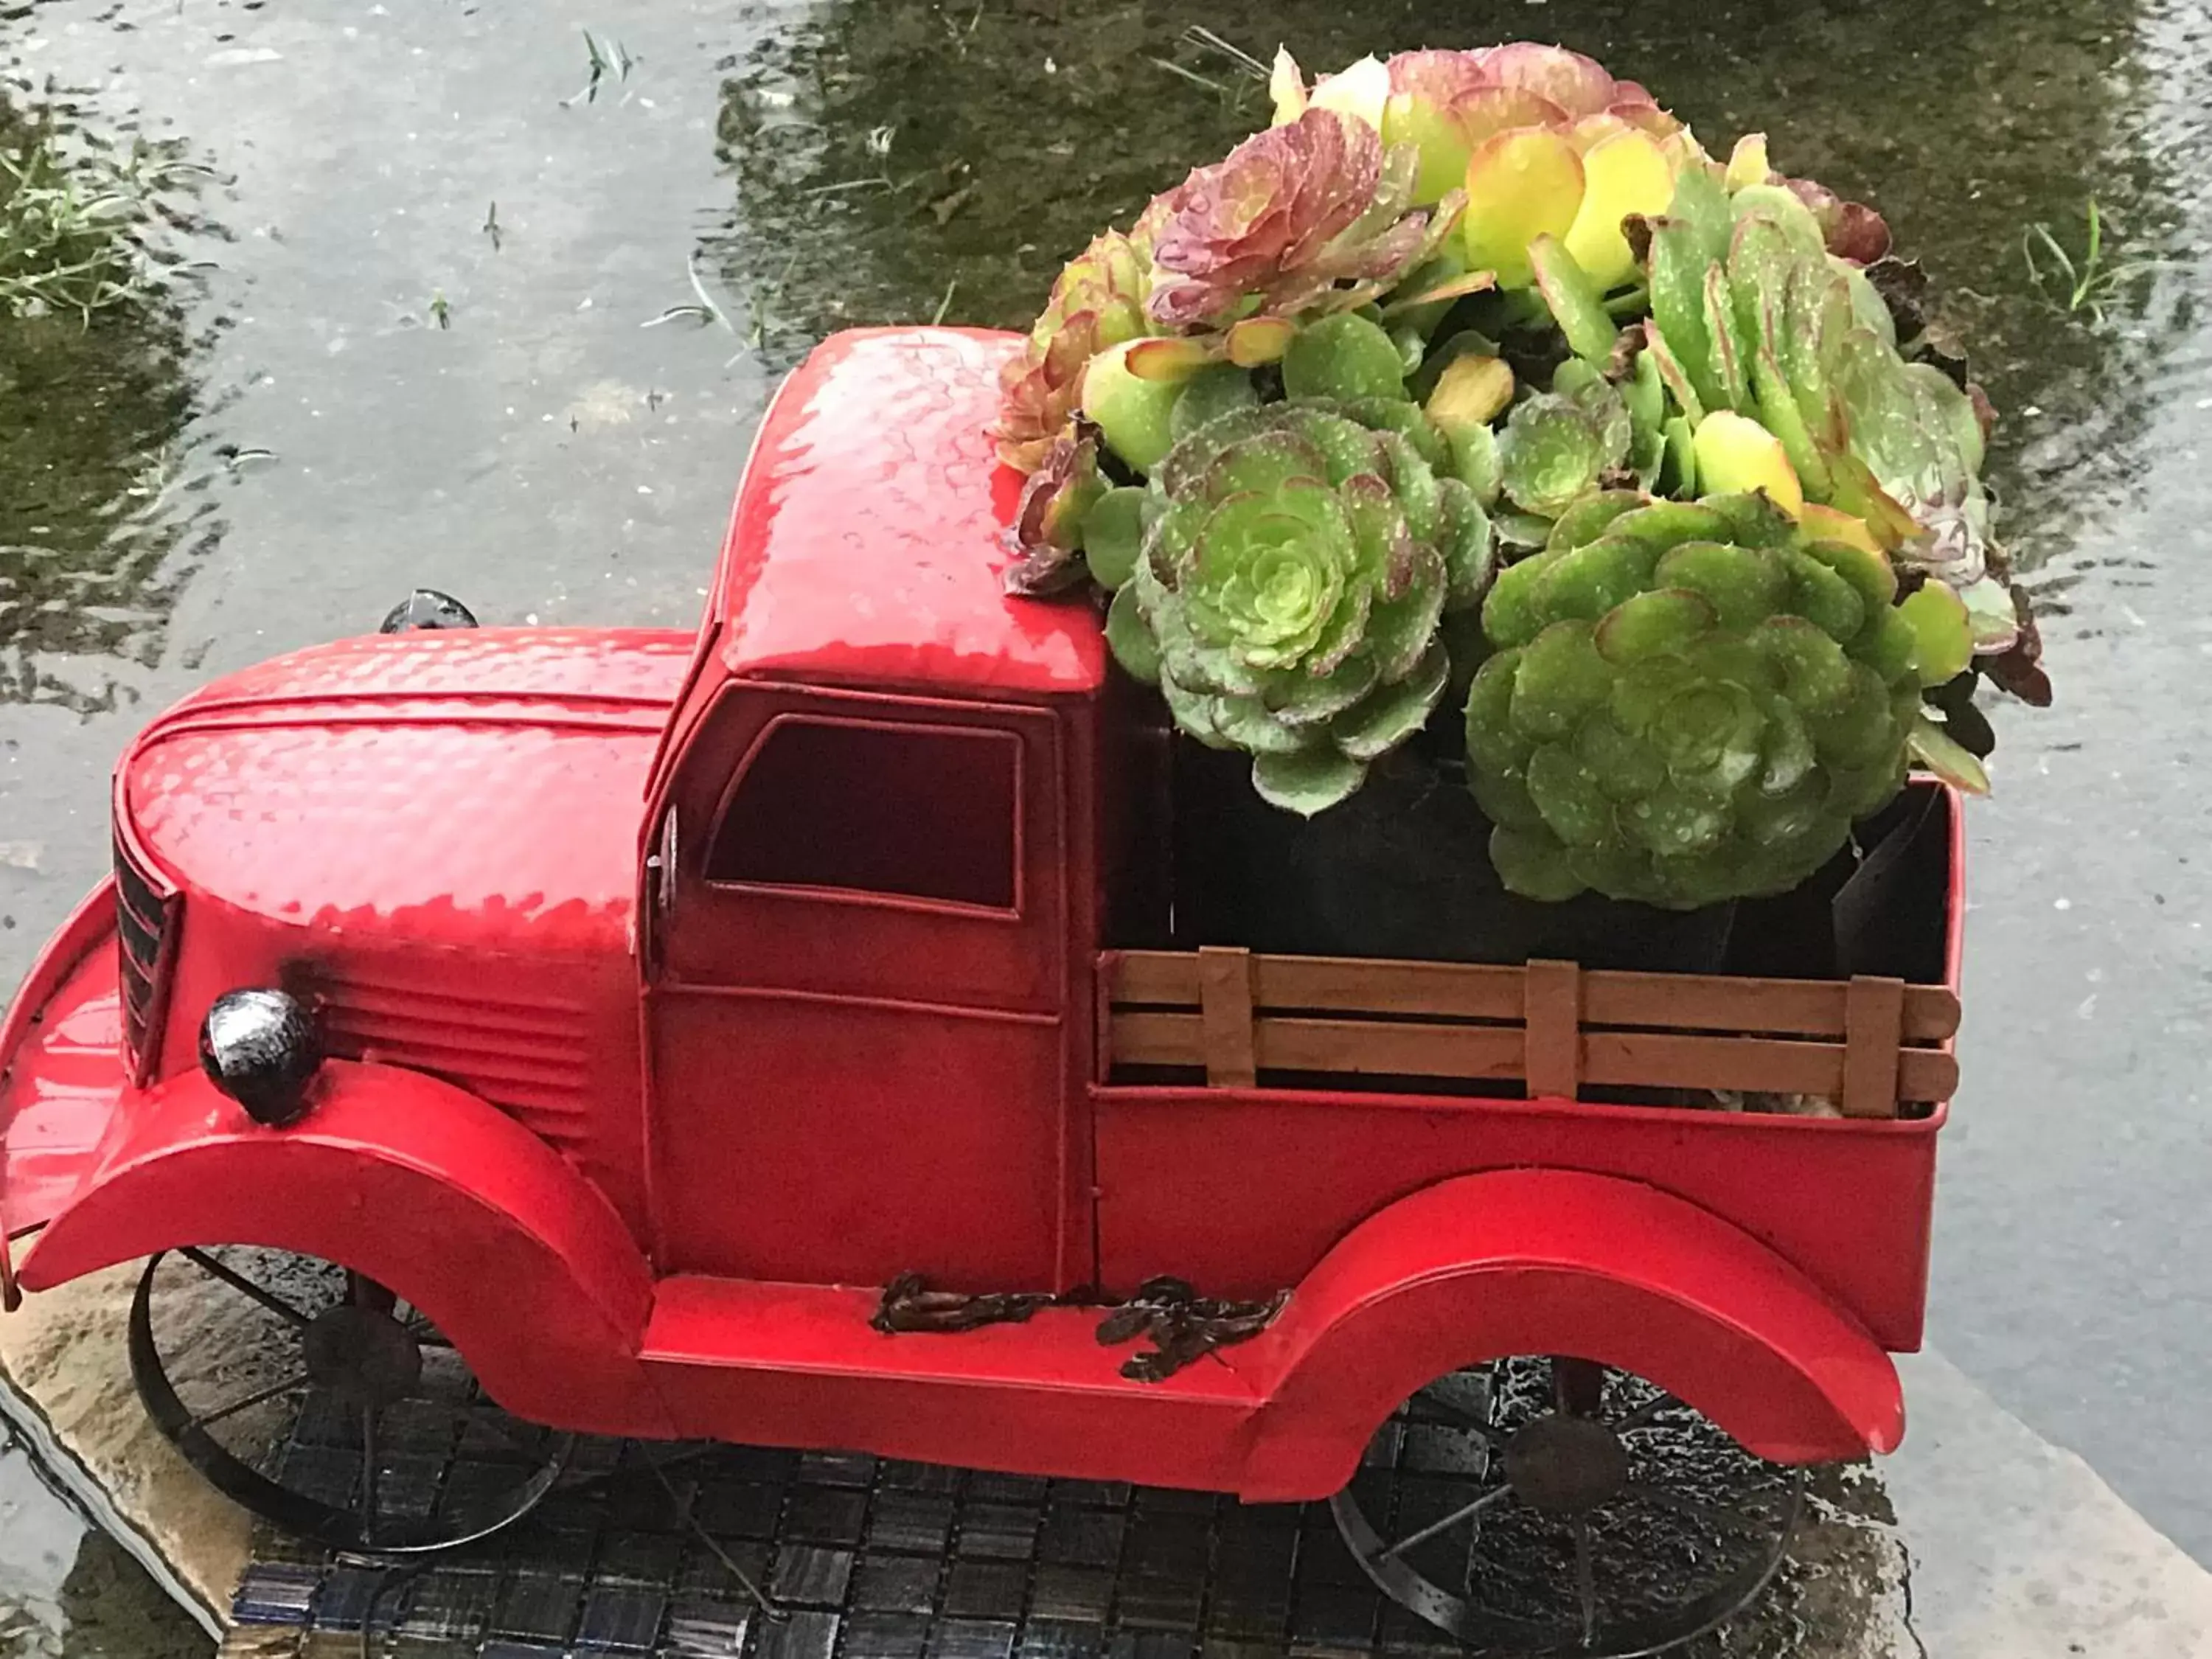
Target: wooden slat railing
1868	1044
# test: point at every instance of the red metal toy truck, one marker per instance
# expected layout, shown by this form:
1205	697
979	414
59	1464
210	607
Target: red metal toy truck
630	1009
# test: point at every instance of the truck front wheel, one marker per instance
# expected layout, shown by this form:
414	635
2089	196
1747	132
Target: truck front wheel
1548	1505
326	1405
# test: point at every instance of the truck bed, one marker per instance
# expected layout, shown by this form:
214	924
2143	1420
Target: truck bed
1247	1109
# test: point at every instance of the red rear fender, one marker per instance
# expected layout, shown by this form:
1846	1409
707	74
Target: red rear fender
1551	1261
423	1188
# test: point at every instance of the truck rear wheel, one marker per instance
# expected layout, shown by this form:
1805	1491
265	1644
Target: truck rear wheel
325	1405
1541	1506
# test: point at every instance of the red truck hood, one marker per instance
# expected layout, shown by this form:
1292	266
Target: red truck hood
481	788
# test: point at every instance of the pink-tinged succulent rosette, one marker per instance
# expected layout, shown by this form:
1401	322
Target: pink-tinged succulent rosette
1098	302
1305	216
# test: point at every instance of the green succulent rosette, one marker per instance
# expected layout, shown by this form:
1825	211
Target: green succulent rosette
1282	580
1690	702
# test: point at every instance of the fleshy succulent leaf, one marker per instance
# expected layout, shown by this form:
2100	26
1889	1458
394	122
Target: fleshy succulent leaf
1136	414
1736	453
1344	355
1625	173
1575	300
1701	205
1949	760
1208	395
1390	715
1678	333
1747	164
1172	361
1729	347
1943	631
1521	184
1577	84
1471	391
1113	535
1308	782
1130	640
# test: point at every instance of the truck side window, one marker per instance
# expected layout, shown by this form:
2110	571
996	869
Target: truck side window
927	812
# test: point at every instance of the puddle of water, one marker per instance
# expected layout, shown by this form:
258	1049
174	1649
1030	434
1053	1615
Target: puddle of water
65	1589
420	357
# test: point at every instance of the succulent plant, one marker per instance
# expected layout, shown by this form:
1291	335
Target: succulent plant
1049	522
1295	561
1691	702
1542	140
1098	302
1757	327
1557	445
1313	214
1456	302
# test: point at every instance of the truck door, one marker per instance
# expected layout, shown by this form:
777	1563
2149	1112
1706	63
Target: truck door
855	990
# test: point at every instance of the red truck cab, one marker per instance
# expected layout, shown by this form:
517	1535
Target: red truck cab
677	994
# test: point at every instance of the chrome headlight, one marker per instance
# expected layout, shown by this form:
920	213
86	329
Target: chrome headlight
260	1047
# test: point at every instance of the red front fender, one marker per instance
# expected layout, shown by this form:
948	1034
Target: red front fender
521	1262
1554	1261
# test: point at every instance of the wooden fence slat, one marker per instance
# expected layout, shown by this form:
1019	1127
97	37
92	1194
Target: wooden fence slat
1927	1075
1452	990
1662	1060
1479	991
1874	1019
1224	1016
1610	1059
1169	977
1790	1007
1156	1040
1554	1043
1406	1050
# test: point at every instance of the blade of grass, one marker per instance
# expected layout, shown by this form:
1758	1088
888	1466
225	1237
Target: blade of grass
1200	35
1191	76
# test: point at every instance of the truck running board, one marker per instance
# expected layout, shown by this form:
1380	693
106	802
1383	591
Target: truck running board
800	1366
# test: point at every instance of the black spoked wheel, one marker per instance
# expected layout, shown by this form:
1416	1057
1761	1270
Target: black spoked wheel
322	1403
1543	1506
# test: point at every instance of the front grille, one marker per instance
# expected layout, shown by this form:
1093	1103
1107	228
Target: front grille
142	920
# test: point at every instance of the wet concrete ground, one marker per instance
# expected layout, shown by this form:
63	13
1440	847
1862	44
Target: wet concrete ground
372	386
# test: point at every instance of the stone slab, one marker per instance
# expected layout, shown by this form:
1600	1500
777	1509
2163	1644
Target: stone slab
64	1362
2018	1551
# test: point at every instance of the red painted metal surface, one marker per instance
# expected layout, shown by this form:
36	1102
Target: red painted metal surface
518	1259
790	1023
682	991
1554	1261
1260	1183
475	788
62	1040
871	530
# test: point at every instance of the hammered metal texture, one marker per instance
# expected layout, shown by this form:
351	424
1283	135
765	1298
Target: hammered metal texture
877	457
408	787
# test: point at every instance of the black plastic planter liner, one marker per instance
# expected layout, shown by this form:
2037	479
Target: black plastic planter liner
1401	870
